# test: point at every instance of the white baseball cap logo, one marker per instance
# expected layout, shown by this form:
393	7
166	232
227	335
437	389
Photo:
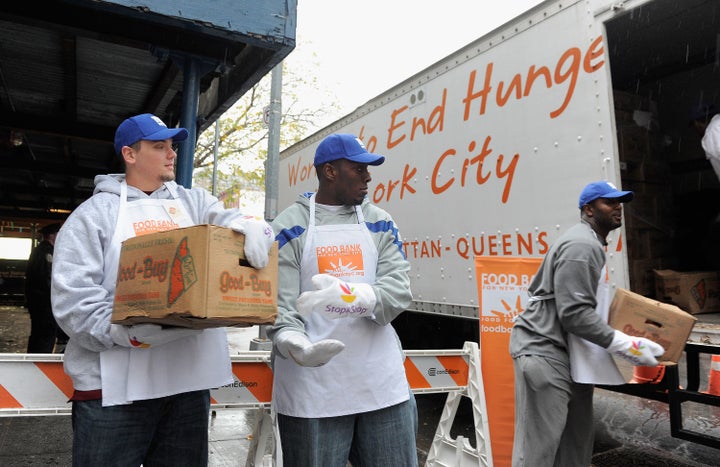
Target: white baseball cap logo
158	121
359	141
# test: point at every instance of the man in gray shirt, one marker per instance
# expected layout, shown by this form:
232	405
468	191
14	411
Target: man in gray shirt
553	414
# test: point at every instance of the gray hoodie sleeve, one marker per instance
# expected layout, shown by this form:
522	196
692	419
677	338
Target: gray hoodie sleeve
577	271
392	280
206	208
81	305
289	227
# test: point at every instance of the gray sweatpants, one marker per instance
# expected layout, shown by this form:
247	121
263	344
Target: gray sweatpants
553	415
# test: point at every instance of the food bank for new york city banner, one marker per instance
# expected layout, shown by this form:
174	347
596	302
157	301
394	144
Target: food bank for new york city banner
502	295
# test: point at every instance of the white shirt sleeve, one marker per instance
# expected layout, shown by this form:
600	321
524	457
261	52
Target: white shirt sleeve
711	143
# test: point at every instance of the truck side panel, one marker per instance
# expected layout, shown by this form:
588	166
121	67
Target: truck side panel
488	150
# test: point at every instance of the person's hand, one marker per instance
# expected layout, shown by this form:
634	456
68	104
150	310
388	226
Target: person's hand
145	336
295	345
259	238
337	299
637	350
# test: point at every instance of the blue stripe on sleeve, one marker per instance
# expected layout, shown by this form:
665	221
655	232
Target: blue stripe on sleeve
387	226
287	235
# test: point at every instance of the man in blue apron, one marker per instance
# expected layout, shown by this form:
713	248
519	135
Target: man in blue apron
340	391
141	393
553	398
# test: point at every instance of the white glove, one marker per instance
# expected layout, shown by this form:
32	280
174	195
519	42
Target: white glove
145	336
337	299
259	238
295	345
637	350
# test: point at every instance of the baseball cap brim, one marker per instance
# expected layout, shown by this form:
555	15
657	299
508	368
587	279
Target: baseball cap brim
622	196
176	134
367	158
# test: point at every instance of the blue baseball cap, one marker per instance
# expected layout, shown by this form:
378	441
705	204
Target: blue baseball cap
147	127
339	146
603	189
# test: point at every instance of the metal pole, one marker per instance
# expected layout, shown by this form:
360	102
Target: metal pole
272	164
188	119
215	156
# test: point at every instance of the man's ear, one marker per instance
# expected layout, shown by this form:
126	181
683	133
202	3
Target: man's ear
329	171
128	155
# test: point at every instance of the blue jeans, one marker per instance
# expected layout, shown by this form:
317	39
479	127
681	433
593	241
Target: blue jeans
169	431
381	438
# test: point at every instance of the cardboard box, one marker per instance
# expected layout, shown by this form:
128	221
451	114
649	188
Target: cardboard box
695	292
194	277
663	323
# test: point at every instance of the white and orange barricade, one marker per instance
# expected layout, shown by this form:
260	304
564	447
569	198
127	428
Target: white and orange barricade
446	450
35	384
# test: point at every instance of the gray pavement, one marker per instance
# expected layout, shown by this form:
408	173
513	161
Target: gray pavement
630	431
634	431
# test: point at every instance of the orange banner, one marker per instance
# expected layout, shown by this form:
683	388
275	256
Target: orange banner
502	295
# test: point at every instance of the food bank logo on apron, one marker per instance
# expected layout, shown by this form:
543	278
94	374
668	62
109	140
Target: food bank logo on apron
151	226
340	260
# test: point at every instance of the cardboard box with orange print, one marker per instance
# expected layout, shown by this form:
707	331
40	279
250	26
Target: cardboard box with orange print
663	323
194	277
695	292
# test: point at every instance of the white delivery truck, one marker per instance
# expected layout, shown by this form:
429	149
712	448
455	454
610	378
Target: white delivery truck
488	149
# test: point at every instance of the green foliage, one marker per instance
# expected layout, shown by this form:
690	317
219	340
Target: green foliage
243	136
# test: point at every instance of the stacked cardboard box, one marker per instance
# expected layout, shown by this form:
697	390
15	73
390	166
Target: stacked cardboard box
695	291
645	171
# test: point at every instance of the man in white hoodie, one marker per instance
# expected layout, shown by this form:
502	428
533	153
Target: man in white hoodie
141	393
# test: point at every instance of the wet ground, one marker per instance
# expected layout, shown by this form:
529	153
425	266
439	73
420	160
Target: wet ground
629	431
